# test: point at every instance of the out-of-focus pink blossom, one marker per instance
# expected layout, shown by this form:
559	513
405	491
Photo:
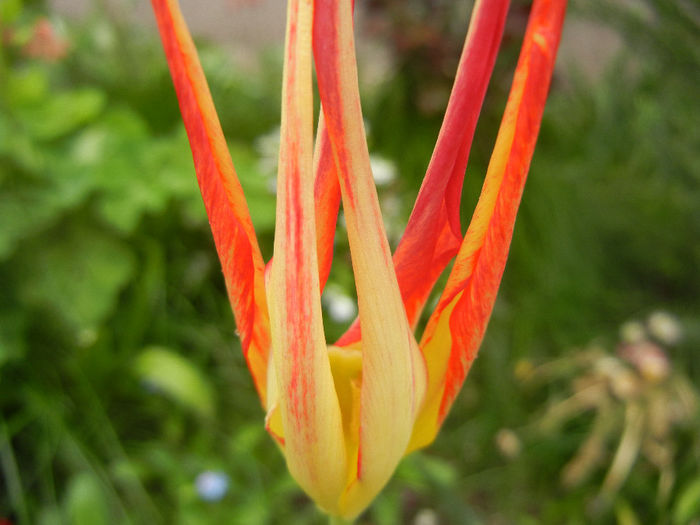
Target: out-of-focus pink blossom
45	43
649	358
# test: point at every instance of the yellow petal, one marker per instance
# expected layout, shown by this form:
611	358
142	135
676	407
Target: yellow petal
393	374
308	406
455	329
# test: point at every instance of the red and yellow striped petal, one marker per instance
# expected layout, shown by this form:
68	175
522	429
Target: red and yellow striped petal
327	197
457	326
306	400
393	374
433	234
226	207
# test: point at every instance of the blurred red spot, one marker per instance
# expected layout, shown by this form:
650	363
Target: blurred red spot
45	44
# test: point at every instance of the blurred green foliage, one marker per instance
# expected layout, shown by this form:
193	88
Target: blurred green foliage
120	376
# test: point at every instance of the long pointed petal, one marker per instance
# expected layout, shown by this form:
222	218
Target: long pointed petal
456	328
393	374
327	198
306	397
433	234
226	207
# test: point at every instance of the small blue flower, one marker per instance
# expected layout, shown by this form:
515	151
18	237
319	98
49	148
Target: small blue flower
212	485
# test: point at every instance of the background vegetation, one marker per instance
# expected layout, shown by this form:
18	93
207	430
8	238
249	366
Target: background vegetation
123	394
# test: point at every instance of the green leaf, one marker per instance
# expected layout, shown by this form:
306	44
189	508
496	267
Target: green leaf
10	10
28	207
78	273
23	211
50	515
687	507
151	174
27	87
438	471
625	513
62	113
133	173
12	344
176	377
85	502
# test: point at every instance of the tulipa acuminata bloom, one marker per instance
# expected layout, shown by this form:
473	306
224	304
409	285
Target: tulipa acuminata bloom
345	414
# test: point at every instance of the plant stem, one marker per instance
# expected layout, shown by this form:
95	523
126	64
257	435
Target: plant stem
336	520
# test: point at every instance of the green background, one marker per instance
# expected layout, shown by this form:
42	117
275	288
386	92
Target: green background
121	377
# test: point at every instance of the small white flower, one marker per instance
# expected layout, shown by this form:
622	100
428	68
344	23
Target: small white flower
426	517
665	328
341	307
383	170
212	485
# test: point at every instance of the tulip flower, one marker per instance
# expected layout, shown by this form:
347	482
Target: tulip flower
345	414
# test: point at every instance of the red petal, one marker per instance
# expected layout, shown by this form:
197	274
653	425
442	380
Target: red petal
327	197
226	207
471	289
433	233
